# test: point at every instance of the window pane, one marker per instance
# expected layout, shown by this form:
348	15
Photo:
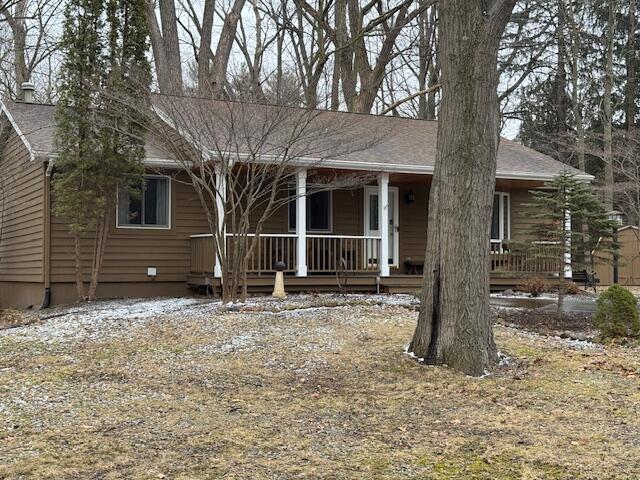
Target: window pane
156	202
373	213
162	208
318	215
150	201
129	209
505	201
495	219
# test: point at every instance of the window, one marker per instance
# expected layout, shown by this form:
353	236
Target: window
500	225
147	209
318	211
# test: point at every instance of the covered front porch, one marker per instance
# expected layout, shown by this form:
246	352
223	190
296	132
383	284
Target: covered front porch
368	237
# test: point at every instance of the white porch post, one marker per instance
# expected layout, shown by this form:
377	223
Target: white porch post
568	273
301	222
221	201
383	220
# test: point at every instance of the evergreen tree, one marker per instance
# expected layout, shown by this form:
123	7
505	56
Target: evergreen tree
123	101
566	196
77	139
101	128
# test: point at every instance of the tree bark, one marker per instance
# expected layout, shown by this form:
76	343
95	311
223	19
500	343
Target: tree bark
100	244
204	51
77	244
607	109
454	324
223	50
560	87
165	45
631	88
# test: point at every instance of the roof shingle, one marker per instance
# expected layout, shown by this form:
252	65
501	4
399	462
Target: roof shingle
399	142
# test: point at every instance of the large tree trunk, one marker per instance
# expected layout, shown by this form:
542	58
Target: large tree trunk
454	325
631	88
204	50
223	50
165	45
607	109
560	87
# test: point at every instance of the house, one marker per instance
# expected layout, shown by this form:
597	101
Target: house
161	244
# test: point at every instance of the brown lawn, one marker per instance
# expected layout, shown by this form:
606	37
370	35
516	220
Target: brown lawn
323	393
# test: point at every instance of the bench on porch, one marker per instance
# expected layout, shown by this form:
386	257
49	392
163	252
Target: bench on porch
589	280
414	267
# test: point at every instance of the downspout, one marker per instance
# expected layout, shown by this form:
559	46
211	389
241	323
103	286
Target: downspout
47	236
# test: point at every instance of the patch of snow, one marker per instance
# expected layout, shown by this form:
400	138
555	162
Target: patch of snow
412	355
521	295
504	360
560	341
241	342
113	318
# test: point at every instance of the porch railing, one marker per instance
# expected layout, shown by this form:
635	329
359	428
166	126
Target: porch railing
203	255
271	249
525	260
334	253
325	253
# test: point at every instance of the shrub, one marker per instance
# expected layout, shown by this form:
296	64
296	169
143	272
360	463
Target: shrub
534	285
617	313
573	289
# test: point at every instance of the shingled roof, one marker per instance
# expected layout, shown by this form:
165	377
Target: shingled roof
397	144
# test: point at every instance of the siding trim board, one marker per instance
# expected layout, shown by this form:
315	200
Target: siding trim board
381	167
16	128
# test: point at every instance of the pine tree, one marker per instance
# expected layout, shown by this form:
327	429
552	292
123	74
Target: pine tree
77	139
101	128
566	196
122	102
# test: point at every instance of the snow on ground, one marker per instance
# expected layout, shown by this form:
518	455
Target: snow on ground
572	343
104	320
108	319
521	295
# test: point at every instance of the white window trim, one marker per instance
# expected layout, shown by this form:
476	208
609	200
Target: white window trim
293	230
148	227
505	230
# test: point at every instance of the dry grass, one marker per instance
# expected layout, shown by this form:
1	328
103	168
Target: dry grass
318	394
14	318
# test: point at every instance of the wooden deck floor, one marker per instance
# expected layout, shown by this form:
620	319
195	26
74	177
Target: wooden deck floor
351	283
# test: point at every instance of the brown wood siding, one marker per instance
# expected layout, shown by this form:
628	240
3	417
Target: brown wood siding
521	221
348	212
130	251
21	214
413	223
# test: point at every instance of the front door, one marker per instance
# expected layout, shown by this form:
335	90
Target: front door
371	219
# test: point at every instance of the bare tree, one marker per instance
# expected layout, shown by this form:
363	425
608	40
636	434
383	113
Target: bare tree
454	325
362	67
212	65
242	158
32	39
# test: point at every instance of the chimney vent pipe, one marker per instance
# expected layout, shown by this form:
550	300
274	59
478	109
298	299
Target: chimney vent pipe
27	92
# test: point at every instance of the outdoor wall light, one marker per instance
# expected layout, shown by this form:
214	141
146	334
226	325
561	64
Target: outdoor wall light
410	198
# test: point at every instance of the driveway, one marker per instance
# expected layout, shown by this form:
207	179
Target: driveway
571	303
